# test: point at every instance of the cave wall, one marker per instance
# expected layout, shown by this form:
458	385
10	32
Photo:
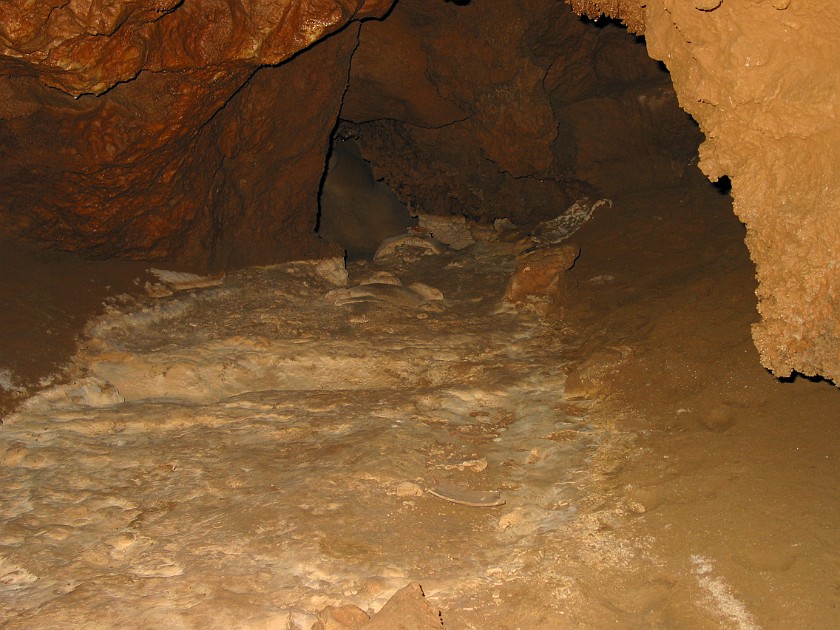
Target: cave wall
197	133
515	112
760	77
167	130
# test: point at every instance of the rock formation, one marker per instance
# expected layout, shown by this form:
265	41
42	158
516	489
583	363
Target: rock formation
198	132
759	78
513	112
161	129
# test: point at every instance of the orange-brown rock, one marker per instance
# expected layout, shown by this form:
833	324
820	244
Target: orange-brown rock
197	132
190	152
88	48
539	273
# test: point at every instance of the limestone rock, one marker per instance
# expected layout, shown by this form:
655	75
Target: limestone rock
760	82
539	273
81	49
186	154
406	610
630	12
553	117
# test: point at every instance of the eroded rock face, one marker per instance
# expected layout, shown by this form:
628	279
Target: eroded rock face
187	153
760	79
165	130
512	112
87	48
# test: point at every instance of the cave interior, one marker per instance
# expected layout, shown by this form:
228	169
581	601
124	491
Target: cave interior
541	398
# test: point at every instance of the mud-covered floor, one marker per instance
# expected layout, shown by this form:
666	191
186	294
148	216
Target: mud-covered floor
249	453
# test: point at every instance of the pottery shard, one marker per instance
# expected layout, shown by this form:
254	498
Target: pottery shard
539	273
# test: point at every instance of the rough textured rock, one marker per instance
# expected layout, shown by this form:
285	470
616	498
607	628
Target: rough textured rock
166	130
515	112
346	617
759	78
539	273
88	48
187	154
630	12
406	610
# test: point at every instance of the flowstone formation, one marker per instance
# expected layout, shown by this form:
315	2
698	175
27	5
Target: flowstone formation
295	438
759	78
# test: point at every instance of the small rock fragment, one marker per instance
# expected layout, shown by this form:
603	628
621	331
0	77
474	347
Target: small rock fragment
409	247
382	277
406	610
408	489
341	618
539	272
332	270
425	291
450	230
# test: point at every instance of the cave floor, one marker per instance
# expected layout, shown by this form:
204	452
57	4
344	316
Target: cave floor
246	454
